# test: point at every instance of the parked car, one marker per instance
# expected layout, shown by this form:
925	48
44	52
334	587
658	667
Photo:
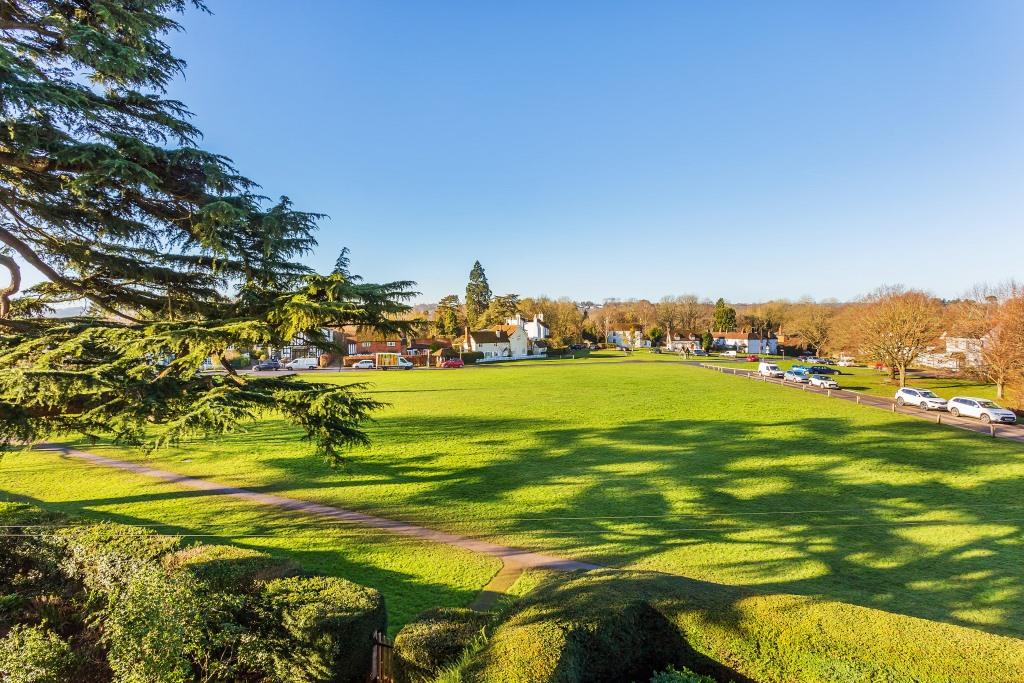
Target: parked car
365	364
981	408
699	352
822	370
453	363
922	398
846	363
271	364
752	358
796	375
729	354
823	381
769	370
303	364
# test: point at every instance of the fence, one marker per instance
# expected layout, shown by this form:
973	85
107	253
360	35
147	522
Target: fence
382	666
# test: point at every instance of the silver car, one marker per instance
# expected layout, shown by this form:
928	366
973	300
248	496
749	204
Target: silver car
922	398
981	408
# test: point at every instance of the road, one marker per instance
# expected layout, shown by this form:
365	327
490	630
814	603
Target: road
1009	432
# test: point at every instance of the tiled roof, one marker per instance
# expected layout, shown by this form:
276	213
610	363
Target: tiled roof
488	337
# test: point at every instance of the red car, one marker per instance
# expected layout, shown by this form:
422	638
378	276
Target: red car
752	358
453	363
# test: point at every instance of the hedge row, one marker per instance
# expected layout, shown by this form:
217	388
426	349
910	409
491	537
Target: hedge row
154	611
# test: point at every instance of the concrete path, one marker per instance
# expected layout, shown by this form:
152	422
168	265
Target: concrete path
514	560
1009	432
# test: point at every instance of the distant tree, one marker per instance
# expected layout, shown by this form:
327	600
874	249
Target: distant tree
707	341
446	316
1002	352
501	309
656	335
478	295
724	318
895	326
813	323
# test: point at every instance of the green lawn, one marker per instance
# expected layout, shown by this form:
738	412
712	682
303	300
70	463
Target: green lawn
877	383
651	465
413	576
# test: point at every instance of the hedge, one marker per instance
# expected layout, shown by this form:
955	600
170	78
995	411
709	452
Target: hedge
733	633
227	567
34	654
103	555
470	357
322	628
436	639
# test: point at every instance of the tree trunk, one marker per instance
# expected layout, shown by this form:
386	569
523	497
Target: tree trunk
1000	389
903	375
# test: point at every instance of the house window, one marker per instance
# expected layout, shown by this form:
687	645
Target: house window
367	345
391	343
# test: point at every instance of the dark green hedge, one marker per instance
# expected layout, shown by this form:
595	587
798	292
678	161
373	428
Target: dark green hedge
226	567
436	639
470	357
323	628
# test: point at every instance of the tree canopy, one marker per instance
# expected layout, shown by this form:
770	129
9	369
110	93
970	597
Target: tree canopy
105	191
478	295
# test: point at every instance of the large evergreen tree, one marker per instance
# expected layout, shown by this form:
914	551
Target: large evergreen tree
478	295
725	317
104	191
446	316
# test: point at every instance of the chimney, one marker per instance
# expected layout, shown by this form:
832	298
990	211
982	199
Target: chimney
468	344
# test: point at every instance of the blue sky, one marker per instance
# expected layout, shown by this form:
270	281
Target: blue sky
744	150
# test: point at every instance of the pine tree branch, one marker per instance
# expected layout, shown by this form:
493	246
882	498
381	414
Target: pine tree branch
26	252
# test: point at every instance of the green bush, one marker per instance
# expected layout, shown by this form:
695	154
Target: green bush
229	568
321	628
34	654
470	357
684	675
436	639
24	558
591	633
102	556
155	627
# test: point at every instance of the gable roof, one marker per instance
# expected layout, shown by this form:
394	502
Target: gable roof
509	330
489	337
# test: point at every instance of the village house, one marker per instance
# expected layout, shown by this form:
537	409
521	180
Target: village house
745	342
535	329
504	341
961	353
632	339
686	343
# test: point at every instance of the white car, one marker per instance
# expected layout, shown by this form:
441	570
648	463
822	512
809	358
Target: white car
922	398
769	370
823	381
729	354
981	408
847	363
363	365
303	364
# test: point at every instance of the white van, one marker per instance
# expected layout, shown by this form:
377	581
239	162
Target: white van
729	354
769	370
303	364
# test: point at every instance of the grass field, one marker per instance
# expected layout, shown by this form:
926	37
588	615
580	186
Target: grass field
645	464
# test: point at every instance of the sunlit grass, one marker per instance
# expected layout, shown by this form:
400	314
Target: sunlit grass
658	465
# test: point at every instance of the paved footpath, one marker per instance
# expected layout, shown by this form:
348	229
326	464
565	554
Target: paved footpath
1009	432
514	560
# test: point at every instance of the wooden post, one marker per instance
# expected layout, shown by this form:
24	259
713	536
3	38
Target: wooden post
830	393
858	399
894	407
992	430
938	418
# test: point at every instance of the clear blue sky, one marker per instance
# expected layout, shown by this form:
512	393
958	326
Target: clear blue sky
591	149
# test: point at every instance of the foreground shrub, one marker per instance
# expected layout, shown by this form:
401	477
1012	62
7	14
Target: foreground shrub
34	654
226	567
673	675
592	633
103	556
436	639
321	629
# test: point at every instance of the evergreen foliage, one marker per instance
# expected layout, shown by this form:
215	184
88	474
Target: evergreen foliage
478	295
725	317
104	190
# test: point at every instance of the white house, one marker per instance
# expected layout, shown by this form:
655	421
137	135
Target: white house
960	353
688	343
746	342
504	341
535	329
633	339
